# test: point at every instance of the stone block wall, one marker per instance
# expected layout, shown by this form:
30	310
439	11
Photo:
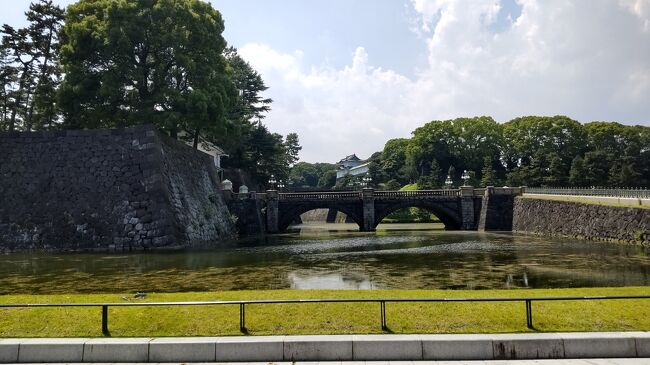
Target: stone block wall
122	189
589	221
496	211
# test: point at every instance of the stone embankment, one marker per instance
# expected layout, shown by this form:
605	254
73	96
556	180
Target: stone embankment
123	189
581	220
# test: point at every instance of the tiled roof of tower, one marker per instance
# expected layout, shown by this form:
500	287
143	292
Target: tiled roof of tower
352	157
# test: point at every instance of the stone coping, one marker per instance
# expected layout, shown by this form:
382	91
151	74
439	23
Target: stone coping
328	348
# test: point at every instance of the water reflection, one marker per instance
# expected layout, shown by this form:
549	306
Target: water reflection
308	280
339	257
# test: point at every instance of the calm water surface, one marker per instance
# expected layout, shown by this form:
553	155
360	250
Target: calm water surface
335	256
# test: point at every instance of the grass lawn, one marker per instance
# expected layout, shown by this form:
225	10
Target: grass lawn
586	200
336	318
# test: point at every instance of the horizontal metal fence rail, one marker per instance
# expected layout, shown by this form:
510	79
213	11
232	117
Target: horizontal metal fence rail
528	301
607	192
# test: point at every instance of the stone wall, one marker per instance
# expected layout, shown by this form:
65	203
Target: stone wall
247	211
589	221
496	211
121	189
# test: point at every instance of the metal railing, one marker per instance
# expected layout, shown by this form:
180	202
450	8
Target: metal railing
528	301
606	192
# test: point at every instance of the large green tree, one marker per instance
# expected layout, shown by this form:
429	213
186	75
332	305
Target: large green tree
145	61
462	142
29	69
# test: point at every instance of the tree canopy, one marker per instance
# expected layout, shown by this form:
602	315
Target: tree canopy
532	151
116	63
144	61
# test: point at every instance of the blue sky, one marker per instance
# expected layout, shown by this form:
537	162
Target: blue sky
347	75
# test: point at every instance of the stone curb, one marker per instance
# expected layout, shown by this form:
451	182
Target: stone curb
324	348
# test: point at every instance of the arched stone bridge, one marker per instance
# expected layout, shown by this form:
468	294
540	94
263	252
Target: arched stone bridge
466	208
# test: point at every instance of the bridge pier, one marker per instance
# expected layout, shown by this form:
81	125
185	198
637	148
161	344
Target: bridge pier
467	208
272	215
368	198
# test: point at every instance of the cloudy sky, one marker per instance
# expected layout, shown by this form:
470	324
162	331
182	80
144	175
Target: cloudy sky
347	75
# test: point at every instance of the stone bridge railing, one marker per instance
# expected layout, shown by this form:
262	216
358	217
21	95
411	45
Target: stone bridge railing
379	194
329	195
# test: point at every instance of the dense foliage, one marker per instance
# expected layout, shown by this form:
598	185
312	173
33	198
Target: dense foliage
110	63
531	151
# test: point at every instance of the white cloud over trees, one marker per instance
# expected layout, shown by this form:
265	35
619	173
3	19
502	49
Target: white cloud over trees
589	60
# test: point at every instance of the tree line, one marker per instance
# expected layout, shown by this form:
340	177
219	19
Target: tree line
526	151
108	64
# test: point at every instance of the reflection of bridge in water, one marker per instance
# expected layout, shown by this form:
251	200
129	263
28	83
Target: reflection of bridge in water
466	208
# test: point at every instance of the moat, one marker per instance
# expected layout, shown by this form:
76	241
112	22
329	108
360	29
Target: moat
336	256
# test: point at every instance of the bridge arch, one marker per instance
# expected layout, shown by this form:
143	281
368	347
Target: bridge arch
288	213
447	212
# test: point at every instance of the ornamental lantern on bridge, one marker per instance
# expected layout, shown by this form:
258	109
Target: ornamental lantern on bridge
272	181
465	177
366	181
449	182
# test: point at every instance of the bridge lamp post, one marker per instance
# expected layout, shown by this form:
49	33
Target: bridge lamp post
272	181
465	177
366	181
449	182
280	186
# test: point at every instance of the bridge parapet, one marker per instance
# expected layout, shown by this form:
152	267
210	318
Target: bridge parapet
415	194
329	195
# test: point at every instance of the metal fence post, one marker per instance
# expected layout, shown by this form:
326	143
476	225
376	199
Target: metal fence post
382	309
529	314
105	319
242	317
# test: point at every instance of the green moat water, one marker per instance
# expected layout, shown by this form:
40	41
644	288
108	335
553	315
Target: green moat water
336	256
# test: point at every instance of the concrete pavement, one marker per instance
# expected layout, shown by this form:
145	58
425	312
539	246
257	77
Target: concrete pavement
584	345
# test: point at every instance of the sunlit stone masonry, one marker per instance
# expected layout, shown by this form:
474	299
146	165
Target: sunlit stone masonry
122	189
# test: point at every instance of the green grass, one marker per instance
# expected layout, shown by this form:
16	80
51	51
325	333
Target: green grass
358	318
409	187
586	200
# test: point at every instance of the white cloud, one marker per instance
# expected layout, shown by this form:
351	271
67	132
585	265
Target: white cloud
589	60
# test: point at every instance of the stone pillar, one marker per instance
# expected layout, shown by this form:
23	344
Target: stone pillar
485	208
272	217
467	208
368	198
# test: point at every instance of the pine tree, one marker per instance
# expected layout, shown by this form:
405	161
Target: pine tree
488	177
434	174
46	20
20	59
